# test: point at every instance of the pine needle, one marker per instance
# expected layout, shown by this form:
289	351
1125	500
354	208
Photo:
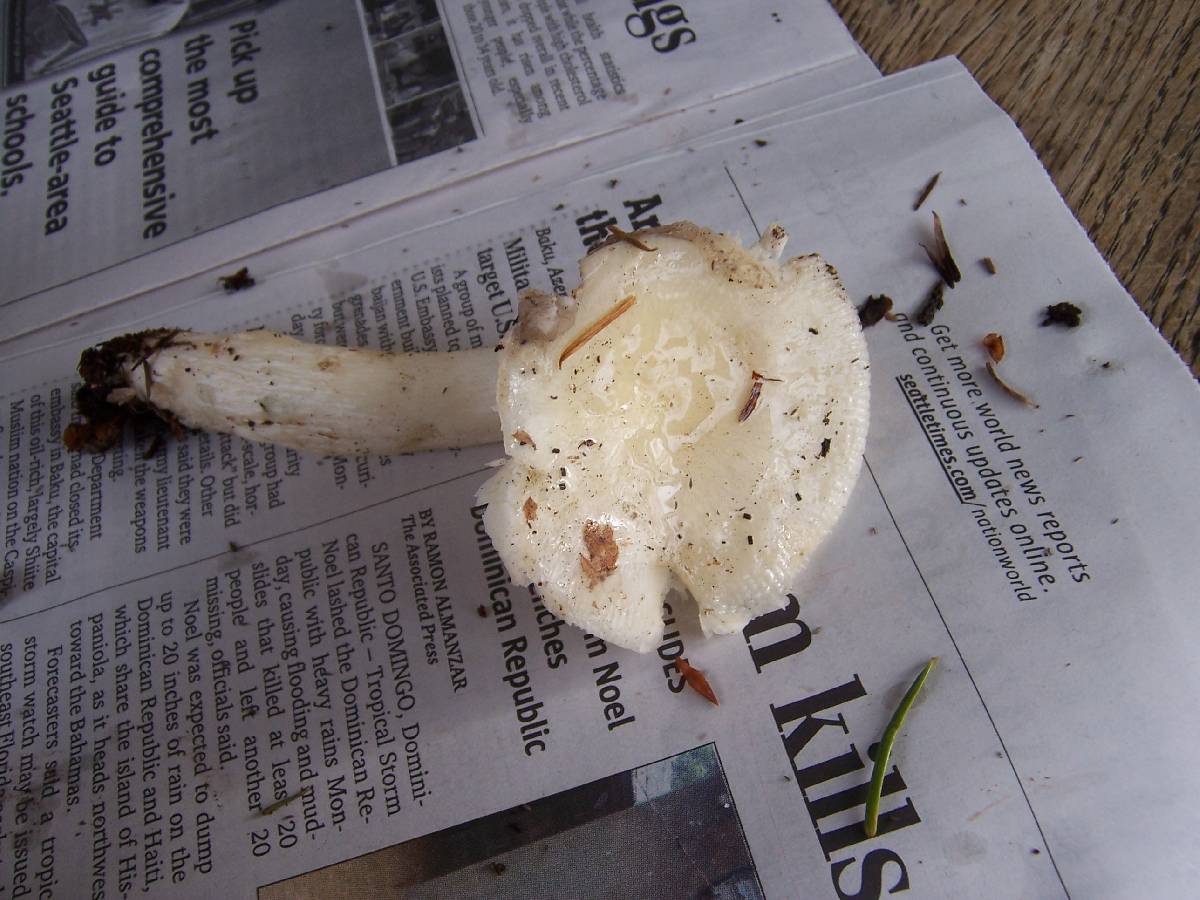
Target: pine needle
596	327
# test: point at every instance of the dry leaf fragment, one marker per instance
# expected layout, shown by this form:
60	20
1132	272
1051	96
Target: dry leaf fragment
696	680
602	549
876	307
932	304
994	344
1008	388
1067	314
940	255
926	191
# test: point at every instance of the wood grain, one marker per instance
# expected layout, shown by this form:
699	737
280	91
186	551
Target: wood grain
1107	94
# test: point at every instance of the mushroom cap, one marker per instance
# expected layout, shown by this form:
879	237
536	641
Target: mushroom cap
705	434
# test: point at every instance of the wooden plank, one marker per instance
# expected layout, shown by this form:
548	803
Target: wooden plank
1108	94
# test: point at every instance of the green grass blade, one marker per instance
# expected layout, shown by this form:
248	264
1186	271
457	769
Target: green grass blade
884	753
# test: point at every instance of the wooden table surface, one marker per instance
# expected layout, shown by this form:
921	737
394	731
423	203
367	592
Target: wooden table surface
1108	94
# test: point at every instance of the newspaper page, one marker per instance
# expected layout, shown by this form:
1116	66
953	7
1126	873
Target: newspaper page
238	668
192	268
214	111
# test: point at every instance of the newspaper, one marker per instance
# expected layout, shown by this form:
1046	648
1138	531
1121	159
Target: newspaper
213	112
234	668
191	268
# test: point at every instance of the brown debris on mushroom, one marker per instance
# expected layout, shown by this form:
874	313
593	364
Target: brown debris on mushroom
602	549
756	385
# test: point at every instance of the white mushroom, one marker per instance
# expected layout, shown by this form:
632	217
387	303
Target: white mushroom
707	436
694	414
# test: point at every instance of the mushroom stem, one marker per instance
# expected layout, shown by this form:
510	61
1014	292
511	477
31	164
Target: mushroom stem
272	388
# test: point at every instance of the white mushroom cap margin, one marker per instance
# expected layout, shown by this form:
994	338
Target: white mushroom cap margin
635	466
